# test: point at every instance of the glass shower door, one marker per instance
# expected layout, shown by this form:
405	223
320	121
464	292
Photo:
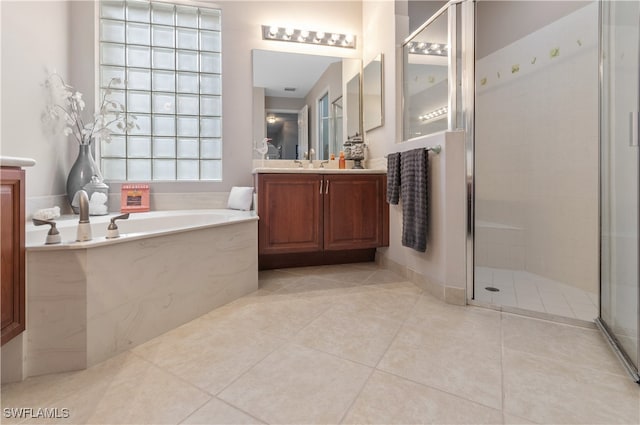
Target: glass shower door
619	196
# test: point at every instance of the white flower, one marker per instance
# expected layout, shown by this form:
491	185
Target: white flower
67	105
78	98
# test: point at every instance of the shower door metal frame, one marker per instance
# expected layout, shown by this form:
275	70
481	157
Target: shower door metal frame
468	33
600	323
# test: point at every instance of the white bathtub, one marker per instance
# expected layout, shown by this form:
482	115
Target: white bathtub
137	226
88	301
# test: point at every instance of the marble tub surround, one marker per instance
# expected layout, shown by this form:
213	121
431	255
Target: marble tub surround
89	303
296	351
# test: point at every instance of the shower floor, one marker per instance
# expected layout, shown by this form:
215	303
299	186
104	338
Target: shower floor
530	291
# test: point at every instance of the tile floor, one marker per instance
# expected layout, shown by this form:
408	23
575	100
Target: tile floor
347	344
530	291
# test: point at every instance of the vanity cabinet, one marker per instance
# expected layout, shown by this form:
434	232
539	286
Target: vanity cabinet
312	219
290	211
12	245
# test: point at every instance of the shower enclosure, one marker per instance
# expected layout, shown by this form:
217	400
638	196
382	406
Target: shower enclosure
536	157
549	99
619	166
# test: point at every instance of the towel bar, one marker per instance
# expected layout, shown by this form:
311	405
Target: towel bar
435	149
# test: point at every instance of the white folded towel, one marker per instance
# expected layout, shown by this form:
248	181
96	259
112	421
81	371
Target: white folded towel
47	213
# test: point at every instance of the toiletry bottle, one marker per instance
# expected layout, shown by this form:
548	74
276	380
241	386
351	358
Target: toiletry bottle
341	161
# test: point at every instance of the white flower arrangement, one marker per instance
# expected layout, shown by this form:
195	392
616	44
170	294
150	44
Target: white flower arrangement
66	107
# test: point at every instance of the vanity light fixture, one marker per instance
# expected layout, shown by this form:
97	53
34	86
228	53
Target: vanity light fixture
311	37
425	48
438	113
271	119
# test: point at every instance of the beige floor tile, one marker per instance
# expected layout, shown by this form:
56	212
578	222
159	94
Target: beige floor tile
310	284
298	385
558	341
132	391
548	391
404	286
515	420
457	365
480	326
212	361
350	275
318	270
385	304
384	276
217	412
388	399
279	315
352	336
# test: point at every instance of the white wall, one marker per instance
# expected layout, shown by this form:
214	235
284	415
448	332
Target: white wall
35	35
441	269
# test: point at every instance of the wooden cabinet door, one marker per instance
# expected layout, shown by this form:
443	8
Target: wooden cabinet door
290	210
12	266
355	212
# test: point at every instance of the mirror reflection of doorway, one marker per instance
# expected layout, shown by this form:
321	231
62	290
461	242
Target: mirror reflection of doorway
282	129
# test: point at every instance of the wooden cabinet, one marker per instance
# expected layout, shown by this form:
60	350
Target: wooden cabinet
290	210
12	267
309	219
356	214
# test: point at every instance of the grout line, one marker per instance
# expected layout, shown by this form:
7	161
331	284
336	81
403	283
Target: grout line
375	368
191	414
439	389
242	410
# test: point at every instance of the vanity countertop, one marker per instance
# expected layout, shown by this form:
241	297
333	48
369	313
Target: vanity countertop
14	161
298	170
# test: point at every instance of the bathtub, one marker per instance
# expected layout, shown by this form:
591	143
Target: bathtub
88	301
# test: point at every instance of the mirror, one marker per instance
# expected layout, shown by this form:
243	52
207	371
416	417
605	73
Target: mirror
425	80
372	101
298	102
353	105
338	127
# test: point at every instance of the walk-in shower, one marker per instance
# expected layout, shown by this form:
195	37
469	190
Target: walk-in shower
549	99
536	157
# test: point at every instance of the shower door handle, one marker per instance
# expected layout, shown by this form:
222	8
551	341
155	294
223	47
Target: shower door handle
633	134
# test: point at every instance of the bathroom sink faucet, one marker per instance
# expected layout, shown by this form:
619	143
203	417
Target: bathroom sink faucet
295	161
84	227
322	163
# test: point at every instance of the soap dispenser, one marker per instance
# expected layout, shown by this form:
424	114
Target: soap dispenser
341	161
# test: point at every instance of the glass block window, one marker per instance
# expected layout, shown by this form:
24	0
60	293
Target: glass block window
170	57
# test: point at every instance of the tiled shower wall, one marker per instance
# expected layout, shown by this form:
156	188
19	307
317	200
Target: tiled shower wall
537	152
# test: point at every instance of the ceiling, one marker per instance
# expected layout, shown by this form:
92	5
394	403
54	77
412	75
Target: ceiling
276	70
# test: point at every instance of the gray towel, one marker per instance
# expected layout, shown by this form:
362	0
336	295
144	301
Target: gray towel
414	172
393	178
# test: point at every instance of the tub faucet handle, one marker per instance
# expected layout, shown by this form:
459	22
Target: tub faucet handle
112	230
53	236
